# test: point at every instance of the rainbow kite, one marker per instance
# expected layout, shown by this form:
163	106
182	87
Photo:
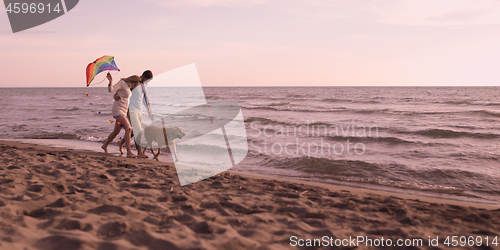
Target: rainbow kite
101	64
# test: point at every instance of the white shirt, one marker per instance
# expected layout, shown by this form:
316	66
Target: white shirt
137	99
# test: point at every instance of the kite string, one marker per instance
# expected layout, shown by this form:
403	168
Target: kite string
97	82
104	79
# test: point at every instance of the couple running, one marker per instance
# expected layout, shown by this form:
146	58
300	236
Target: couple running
128	101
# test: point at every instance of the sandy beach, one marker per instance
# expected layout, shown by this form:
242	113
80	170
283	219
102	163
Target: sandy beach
55	198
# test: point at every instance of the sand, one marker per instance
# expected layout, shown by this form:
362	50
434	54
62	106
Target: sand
53	198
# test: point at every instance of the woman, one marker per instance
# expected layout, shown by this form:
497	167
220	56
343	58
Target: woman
119	110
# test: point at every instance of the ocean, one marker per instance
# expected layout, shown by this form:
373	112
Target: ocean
440	142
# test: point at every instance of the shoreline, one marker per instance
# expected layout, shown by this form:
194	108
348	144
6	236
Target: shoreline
364	191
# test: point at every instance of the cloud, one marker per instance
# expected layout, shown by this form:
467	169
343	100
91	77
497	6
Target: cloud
453	13
175	4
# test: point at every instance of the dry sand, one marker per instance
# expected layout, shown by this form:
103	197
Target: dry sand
52	198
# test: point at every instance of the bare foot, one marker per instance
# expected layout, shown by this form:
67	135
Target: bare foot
105	149
120	146
142	156
131	156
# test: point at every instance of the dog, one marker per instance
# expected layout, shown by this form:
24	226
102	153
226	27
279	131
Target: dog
162	135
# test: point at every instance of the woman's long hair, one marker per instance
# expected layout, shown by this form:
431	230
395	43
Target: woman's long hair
134	78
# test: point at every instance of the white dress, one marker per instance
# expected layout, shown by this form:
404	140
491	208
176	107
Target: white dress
120	107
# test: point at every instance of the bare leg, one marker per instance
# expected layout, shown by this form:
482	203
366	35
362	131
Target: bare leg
158	154
111	137
173	150
120	145
124	123
140	152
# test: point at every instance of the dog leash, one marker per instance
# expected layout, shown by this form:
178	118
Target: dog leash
164	132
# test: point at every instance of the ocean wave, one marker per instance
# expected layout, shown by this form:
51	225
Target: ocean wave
263	120
68	100
448	134
54	136
299	96
472	103
321	126
67	109
269	104
485	103
250	96
452	181
426	112
455	102
370	139
312	124
335	100
485	113
368	111
320	133
18	127
315	109
212	97
282	106
318	109
91	138
276	98
297	109
258	107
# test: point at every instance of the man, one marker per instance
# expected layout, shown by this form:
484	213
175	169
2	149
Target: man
134	113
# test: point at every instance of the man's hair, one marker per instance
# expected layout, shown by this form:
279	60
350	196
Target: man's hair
147	74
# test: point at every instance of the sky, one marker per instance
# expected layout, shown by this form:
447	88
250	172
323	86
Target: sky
264	42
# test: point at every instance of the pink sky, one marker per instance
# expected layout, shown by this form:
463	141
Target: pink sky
264	43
